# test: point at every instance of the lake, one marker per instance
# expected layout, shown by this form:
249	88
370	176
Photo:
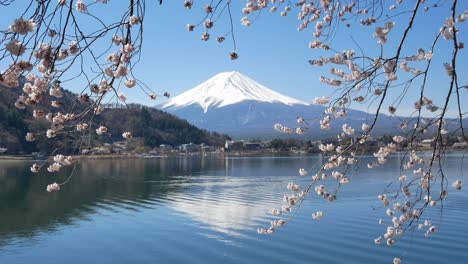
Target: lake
207	210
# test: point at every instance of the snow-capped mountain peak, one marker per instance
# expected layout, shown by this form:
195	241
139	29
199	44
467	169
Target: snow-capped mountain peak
227	88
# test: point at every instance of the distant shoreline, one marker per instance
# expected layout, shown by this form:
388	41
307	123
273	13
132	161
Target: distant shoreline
147	156
18	157
171	155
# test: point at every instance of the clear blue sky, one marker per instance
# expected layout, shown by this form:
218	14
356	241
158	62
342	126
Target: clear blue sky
271	51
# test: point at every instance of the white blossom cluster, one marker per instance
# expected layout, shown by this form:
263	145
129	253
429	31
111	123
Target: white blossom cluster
42	55
290	201
22	26
54	187
321	100
287	130
59	161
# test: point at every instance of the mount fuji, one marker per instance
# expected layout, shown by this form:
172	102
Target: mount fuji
233	103
228	88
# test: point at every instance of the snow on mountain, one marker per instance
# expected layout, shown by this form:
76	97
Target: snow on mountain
227	88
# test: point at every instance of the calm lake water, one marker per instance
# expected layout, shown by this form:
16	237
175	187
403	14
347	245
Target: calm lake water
207	210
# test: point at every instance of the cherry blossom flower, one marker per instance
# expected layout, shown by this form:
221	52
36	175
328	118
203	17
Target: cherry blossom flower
325	123
56	104
390	242
300	131
382	32
282	128
245	21
317	215
122	97
63	160
30	137
378	240
114	58
134	20
457	184
54	187
73	47
188	4
332	82
190	27
101	130
344	180
56	92
35	168
63	54
98	110
276	212
130	83
128	48
81	127
365	127
321	100
329	147
23	27
398	139
127	135
54	167
302	172
449	69
293	187
15	47
116	40
208	23
278	223
205	36
340	114
121	71
50	133
347	129
49	117
81	6
234	55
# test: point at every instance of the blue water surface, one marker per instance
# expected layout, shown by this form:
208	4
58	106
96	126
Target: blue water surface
207	210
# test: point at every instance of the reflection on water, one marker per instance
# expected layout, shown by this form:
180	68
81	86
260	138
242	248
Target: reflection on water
136	211
226	206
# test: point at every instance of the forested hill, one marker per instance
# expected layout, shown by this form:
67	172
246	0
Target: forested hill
153	126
